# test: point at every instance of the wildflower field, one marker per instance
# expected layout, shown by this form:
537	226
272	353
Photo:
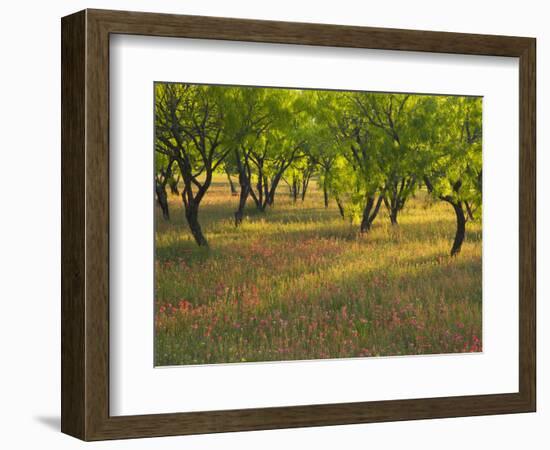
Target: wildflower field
298	282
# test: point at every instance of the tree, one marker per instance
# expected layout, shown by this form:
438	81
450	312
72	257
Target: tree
251	116
270	161
323	149
454	173
365	150
163	175
398	117
325	160
300	173
267	142
361	148
280	145
190	129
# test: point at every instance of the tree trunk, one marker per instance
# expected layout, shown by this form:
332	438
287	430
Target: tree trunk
340	207
294	189
231	184
370	212
460	234
469	211
392	205
192	216
162	200
304	191
240	210
365	221
174	187
270	194
460	228
260	187
393	216
245	190
325	194
268	201
305	184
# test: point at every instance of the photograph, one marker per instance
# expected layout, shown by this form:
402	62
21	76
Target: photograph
308	224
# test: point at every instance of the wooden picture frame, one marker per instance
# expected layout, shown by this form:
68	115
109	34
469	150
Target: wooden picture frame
85	224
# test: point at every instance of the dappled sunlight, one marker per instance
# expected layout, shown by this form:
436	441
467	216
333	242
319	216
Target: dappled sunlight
298	282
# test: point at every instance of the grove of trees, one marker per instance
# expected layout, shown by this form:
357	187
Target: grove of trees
369	152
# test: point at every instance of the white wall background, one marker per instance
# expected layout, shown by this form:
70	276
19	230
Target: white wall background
30	225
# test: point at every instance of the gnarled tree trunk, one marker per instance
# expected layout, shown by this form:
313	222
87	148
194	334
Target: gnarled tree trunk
192	216
325	194
231	184
245	191
469	210
340	207
174	186
370	212
295	189
397	195
460	228
162	200
393	211
162	178
243	169
305	182
458	207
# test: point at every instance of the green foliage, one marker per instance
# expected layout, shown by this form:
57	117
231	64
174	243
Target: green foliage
356	145
454	160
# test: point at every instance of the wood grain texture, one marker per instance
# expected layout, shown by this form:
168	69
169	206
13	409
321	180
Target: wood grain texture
527	224
97	225
85	224
73	109
170	25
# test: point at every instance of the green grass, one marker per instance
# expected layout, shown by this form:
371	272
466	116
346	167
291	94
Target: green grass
298	282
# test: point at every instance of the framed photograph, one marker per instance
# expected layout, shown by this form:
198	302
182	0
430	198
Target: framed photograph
273	225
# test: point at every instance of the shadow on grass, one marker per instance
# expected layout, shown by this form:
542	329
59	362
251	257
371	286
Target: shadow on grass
423	272
183	246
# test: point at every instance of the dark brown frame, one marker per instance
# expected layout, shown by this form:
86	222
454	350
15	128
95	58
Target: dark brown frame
85	224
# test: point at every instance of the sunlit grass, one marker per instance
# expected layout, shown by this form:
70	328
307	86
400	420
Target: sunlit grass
298	282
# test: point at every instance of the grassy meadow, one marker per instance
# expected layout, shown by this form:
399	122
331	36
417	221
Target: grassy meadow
298	282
